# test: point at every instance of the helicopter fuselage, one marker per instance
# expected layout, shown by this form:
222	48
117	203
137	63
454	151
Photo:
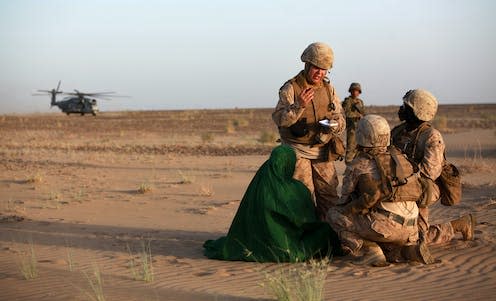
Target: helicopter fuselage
77	105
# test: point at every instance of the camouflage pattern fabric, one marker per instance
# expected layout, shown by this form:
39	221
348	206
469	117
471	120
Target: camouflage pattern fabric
423	103
353	228
429	155
354	110
318	54
320	177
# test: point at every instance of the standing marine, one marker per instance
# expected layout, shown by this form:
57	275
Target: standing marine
310	120
354	110
424	145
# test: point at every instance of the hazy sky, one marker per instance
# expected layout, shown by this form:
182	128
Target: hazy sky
225	54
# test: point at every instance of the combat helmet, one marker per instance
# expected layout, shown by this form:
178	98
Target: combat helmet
423	103
355	86
373	131
318	54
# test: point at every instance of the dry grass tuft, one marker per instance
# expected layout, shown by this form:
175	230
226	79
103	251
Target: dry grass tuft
206	190
298	282
267	137
207	137
27	262
35	178
95	281
142	268
145	187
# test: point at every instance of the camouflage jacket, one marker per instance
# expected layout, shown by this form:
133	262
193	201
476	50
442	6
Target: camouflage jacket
362	191
427	152
288	112
353	107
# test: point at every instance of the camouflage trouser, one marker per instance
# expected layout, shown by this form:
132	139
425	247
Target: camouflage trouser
321	179
353	229
351	145
434	234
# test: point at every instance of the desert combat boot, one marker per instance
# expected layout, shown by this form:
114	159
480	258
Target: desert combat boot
465	225
372	255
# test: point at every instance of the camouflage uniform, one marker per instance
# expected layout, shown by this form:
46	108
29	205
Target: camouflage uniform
364	216
429	155
354	110
314	166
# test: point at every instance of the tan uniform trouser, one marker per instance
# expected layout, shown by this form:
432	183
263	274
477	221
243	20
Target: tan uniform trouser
353	229
434	234
321	179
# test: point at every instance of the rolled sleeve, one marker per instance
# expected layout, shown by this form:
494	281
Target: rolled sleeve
432	163
287	111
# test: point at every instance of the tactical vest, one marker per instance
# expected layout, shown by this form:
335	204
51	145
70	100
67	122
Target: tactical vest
398	180
321	107
408	145
449	182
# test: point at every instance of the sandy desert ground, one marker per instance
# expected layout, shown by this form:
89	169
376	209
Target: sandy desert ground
88	193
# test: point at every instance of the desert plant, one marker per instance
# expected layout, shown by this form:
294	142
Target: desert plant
35	178
230	128
95	281
206	190
144	188
28	265
70	259
441	122
142	268
298	282
207	137
185	179
267	137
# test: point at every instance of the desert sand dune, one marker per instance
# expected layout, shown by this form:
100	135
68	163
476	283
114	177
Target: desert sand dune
97	197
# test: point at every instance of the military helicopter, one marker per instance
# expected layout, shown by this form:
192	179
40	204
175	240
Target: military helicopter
77	102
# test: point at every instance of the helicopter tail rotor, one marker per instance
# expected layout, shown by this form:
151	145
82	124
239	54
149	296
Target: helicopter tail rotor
53	93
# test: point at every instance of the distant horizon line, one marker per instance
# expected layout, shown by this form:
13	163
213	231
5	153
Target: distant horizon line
227	108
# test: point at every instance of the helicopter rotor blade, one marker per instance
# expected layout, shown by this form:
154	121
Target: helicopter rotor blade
58	86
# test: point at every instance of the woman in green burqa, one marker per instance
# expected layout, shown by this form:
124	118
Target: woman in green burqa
276	219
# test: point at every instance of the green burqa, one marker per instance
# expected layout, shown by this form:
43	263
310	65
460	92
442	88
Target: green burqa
276	220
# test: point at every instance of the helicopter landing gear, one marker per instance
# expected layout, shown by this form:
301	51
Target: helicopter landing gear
68	113
93	113
82	114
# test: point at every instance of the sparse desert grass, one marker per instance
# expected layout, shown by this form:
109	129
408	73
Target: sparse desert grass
267	137
441	123
298	282
27	262
35	178
145	187
185	178
474	162
79	195
70	258
240	122
95	281
230	128
142	267
206	190
10	206
207	137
